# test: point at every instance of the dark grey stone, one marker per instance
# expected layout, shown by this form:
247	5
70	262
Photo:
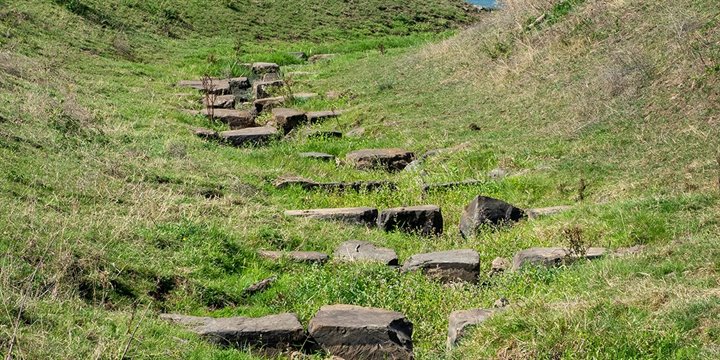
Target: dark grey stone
552	256
288	119
354	332
355	250
315	117
236	119
425	220
386	159
249	136
460	320
484	211
358	215
446	266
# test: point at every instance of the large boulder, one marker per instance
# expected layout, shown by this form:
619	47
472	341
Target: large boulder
288	119
553	256
279	332
249	136
236	119
354	332
460	320
386	159
355	250
446	266
358	215
425	220
486	211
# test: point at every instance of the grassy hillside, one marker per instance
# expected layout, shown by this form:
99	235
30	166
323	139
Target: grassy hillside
112	211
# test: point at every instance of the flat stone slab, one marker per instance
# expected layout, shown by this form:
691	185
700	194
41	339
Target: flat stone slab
317	156
296	256
320	57
552	256
249	136
218	86
357	215
236	119
265	104
288	119
260	68
460	320
486	211
269	332
355	250
547	211
386	159
308	184
221	102
354	332
315	117
447	266
425	220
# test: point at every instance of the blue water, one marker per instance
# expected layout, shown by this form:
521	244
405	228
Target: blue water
484	3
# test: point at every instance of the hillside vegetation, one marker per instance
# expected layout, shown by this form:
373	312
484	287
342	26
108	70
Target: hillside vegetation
112	211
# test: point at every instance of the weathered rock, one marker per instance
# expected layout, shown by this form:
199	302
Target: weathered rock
288	119
483	211
249	136
446	266
320	57
501	303
239	85
460	320
264	89
237	119
354	332
296	256
320	134
450	185
284	182
221	102
259	286
357	215
278	332
318	156
355	250
308	184
271	77
425	220
499	266
552	256
266	104
260	68
387	159
315	117
206	134
218	86
497	174
548	211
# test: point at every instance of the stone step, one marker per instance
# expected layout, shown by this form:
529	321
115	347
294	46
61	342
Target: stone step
296	256
249	136
268	333
486	211
355	250
384	159
260	68
236	119
553	256
206	134
263	89
288	119
315	117
357	215
450	185
269	103
307	184
446	266
460	320
424	220
221	102
354	332
219	86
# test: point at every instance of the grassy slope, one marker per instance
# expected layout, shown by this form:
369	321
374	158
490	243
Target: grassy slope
103	186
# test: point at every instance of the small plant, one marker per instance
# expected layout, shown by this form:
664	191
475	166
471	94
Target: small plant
574	241
210	96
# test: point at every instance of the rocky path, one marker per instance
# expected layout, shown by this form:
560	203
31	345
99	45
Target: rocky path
348	331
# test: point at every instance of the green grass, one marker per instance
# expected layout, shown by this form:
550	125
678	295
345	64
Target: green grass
106	222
